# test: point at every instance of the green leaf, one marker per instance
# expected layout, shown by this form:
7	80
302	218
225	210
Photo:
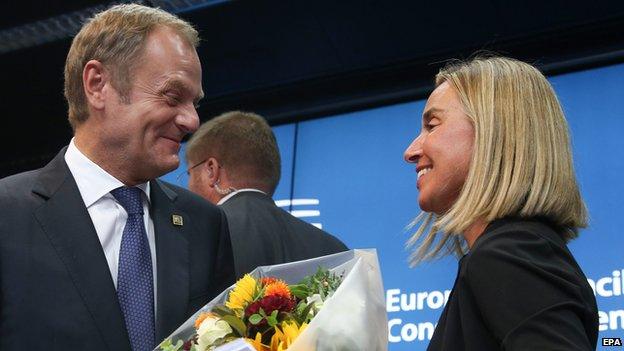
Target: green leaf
222	310
167	345
255	319
258	293
304	315
300	290
322	293
236	324
300	306
322	282
272	319
262	313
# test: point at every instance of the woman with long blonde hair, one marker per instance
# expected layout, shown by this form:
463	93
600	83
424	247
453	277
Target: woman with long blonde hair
497	186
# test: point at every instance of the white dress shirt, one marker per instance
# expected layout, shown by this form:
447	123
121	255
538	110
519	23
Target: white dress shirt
107	215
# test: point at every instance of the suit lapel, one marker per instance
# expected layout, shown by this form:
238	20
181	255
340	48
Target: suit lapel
172	254
66	222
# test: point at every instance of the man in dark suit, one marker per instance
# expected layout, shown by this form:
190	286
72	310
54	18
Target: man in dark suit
95	252
236	164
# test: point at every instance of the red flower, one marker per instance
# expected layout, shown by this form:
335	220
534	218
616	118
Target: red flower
270	304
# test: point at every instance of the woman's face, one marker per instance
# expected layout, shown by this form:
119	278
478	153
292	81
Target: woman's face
442	151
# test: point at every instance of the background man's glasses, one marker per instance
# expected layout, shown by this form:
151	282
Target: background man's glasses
188	171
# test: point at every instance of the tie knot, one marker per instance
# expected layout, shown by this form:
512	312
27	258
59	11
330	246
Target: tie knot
129	198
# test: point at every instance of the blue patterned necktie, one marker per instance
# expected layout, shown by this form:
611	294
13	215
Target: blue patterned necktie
135	284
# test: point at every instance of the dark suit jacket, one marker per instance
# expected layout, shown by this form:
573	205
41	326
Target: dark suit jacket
264	234
56	290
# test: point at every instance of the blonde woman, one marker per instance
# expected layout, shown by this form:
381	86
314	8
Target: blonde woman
496	185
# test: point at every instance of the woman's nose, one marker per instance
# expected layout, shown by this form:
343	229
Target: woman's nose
413	151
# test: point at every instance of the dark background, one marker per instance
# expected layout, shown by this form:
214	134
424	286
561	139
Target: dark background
292	60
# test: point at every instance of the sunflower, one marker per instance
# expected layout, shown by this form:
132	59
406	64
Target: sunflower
284	338
257	343
243	293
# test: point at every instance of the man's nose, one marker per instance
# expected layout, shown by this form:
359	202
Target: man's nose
188	120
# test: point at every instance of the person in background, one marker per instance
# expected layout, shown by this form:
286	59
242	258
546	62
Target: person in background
95	252
235	163
496	185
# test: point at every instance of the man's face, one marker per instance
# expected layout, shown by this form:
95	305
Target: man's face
200	179
145	132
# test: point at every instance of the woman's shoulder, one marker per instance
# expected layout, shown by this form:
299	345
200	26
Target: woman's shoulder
530	248
518	234
520	273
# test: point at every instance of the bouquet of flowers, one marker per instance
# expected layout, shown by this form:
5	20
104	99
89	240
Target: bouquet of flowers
333	302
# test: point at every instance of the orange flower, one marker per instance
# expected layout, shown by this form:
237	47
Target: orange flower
268	280
279	287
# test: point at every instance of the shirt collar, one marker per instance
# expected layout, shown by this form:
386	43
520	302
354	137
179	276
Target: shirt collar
230	195
93	182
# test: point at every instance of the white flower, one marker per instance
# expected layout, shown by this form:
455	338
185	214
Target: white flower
211	330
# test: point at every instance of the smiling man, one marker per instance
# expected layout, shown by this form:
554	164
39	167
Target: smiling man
95	252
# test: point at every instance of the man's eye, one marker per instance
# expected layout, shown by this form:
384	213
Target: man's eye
173	98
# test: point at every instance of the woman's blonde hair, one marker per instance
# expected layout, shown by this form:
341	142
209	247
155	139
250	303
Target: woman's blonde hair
521	163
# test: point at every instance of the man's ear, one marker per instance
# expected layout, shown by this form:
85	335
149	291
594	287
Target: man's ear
94	79
213	171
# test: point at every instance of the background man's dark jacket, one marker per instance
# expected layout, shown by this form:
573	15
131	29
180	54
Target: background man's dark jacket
264	234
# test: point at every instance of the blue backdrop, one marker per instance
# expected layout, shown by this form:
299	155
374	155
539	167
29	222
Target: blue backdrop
346	174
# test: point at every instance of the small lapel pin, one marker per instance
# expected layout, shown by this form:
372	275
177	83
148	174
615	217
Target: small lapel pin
177	220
